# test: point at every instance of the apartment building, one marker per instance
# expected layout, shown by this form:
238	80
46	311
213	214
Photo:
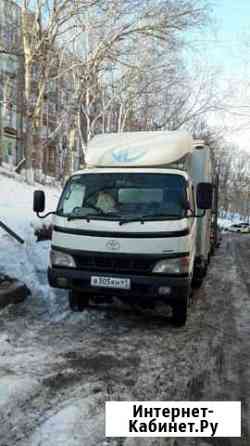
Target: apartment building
13	119
11	85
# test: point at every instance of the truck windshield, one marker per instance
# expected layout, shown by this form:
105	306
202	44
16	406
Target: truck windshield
123	196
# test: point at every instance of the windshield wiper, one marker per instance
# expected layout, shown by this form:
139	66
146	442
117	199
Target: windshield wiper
76	213
149	217
100	216
88	217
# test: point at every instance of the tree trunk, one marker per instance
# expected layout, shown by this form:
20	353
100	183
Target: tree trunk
68	163
1	134
29	172
38	149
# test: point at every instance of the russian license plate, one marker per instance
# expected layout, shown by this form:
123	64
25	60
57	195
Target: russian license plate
110	282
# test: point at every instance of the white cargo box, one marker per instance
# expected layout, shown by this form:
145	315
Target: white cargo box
139	149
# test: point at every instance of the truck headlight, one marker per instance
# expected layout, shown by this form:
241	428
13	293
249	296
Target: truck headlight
59	258
172	266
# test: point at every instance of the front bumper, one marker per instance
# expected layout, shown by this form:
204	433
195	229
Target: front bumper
144	288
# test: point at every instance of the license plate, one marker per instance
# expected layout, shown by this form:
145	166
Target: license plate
110	282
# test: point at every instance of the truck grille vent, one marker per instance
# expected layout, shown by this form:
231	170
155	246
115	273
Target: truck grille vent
114	263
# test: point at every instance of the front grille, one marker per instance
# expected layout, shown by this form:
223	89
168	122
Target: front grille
114	264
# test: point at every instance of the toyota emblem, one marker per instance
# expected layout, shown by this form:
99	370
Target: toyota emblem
113	245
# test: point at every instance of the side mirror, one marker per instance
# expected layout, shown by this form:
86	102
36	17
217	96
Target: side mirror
204	196
38	201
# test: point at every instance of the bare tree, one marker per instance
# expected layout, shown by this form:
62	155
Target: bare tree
112	42
44	24
108	51
232	165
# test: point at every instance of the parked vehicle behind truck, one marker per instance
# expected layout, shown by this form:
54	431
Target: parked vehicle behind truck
135	223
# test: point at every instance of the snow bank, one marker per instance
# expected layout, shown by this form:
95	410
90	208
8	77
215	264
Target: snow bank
75	424
12	389
27	262
224	223
228	218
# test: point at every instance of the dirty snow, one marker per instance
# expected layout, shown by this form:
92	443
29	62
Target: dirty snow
26	261
66	427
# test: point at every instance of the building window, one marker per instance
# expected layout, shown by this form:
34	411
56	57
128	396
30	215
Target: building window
9	117
8	152
8	37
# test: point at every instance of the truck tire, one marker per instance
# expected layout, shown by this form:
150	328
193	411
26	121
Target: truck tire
180	313
77	301
199	274
197	282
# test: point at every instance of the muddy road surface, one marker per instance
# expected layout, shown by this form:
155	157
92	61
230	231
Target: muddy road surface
58	368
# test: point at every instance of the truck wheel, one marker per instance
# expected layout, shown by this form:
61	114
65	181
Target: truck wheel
180	313
77	301
199	275
197	282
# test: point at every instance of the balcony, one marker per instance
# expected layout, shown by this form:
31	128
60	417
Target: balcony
10	131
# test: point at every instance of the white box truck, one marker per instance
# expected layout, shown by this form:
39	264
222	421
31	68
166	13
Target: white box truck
135	223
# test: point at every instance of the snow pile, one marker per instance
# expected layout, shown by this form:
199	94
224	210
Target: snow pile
226	219
224	223
27	262
13	388
74	424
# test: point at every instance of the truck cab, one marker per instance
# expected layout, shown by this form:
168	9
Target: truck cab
126	225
